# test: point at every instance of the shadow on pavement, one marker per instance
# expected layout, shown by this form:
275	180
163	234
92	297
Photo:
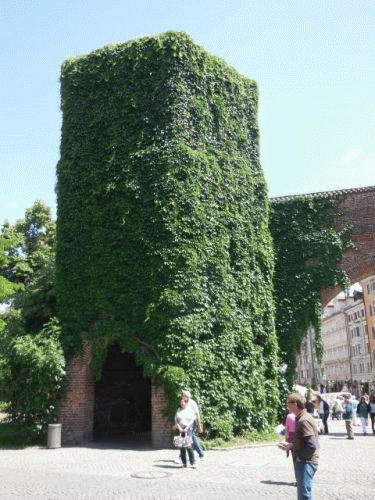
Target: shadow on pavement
137	441
279	483
167	464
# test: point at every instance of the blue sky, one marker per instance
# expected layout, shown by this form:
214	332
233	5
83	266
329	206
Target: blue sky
313	61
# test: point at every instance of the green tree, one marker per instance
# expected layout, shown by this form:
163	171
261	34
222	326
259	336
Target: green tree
32	363
7	287
26	247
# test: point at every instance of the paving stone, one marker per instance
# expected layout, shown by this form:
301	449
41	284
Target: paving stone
111	472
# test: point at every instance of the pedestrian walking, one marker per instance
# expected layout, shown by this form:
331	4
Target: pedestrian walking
348	416
305	449
184	420
363	410
372	413
309	405
339	408
323	410
355	403
196	426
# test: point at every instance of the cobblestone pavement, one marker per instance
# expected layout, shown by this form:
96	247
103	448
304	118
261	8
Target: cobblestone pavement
112	472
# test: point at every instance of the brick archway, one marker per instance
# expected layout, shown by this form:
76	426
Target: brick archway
357	207
76	413
122	398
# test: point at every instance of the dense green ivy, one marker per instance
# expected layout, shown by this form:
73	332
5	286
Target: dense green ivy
163	241
308	251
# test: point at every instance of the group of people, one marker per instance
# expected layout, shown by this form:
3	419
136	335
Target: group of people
363	410
301	433
187	420
344	408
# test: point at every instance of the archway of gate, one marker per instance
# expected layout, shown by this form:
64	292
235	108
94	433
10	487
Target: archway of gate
357	207
122	399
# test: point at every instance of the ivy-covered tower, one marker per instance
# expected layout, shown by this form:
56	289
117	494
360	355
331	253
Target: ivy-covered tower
163	237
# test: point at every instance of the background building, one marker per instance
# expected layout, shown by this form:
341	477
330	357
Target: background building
368	286
358	346
348	334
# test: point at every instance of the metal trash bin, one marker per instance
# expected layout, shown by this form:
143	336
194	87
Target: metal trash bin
54	436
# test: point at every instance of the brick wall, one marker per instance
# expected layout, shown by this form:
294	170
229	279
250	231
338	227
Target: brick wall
357	208
161	427
76	412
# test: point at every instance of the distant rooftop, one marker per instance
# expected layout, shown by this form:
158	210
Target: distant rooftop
324	194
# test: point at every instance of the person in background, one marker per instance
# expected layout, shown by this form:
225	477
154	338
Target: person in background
323	410
363	410
372	413
305	449
348	416
290	435
355	403
197	425
339	408
290	429
309	402
184	420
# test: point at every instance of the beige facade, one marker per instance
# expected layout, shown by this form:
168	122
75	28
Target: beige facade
348	334
368	286
336	360
308	369
358	344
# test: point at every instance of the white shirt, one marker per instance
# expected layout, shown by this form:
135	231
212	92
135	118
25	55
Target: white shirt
185	417
194	406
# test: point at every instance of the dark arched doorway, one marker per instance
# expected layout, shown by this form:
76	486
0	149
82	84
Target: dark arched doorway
122	399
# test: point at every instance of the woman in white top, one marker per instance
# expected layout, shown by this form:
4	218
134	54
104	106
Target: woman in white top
184	420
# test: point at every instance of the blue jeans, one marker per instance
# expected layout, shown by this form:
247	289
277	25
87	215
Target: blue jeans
196	444
304	476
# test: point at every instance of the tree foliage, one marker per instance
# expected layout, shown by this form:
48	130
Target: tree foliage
32	369
31	357
163	237
7	287
27	245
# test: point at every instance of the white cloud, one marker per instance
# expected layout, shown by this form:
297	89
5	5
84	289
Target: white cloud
11	205
351	156
369	164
